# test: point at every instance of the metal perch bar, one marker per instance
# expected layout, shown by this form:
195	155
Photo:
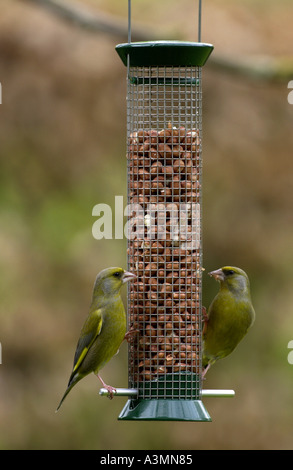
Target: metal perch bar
132	392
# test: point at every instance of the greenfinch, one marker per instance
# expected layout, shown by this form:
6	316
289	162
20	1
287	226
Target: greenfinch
229	316
103	330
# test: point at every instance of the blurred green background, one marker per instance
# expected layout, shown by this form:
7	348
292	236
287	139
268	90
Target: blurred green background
62	150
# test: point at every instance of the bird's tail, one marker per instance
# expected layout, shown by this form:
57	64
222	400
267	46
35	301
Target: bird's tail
73	381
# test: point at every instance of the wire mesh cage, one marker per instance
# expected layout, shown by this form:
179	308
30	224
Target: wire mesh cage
164	192
164	168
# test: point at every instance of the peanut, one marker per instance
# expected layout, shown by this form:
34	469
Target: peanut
164	302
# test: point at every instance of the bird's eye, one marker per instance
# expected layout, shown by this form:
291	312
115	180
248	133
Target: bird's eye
116	274
229	272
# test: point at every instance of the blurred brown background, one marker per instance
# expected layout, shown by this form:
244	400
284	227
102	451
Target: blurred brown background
62	150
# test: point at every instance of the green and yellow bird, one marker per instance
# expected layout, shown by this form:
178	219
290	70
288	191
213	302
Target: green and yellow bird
229	317
103	330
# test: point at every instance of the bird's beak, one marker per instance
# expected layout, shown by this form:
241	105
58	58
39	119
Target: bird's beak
127	276
218	275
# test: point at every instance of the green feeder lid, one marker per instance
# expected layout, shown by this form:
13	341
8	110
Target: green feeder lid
164	53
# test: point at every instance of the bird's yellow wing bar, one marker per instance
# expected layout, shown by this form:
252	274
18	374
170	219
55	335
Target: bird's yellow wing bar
89	333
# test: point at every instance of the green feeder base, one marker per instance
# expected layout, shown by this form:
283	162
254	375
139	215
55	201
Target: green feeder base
164	410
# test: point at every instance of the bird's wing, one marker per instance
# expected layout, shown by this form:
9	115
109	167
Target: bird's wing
89	333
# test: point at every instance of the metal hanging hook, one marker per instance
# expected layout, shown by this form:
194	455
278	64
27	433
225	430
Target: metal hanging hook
129	21
199	20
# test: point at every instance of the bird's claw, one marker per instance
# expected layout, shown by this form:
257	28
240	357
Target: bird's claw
109	388
111	391
204	314
130	334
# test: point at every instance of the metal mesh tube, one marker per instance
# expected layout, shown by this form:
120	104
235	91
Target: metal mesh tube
164	230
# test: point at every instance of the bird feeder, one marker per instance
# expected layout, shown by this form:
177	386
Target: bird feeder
164	146
164	169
